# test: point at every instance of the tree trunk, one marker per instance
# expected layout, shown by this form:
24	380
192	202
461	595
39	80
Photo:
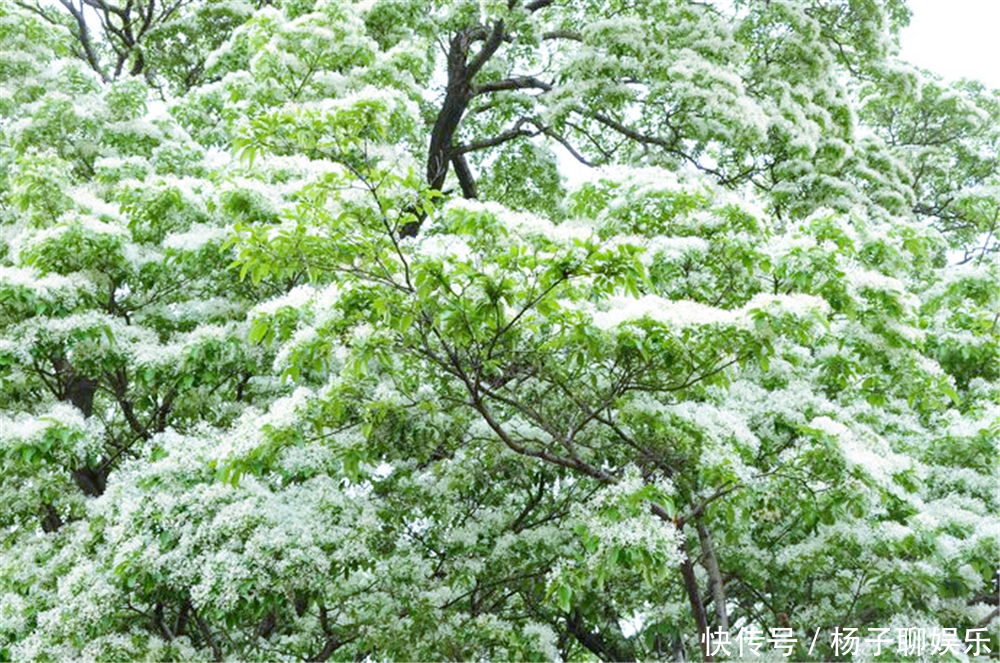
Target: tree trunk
715	585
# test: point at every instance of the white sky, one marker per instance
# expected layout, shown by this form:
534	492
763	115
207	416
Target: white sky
955	38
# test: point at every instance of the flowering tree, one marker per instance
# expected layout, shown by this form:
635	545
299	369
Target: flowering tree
322	358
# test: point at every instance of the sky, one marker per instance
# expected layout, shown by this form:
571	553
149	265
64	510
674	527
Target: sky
955	38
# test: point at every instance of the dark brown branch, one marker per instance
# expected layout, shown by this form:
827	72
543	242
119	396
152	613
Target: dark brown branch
331	645
455	367
628	132
605	154
715	585
464	174
509	135
160	624
83	36
51	521
670	146
569	148
533	501
538	4
120	383
985	621
207	634
694	598
698	509
457	96
486	52
541	454
182	618
513	83
595	642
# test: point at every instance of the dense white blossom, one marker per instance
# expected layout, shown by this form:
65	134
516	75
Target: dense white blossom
275	385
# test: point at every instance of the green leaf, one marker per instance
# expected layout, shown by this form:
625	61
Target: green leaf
564	597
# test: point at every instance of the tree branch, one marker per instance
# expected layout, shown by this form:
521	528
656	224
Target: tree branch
509	135
83	36
569	148
538	4
595	642
464	174
715	585
694	598
697	510
207	634
563	34
513	83
487	51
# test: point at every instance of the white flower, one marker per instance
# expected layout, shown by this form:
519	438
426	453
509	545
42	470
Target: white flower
797	304
668	312
196	238
297	298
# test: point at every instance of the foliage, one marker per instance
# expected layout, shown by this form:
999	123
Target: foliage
309	351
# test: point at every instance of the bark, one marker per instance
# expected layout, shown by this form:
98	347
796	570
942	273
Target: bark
82	34
465	177
160	624
182	618
600	646
70	386
51	521
715	584
461	70
92	481
206	633
267	625
80	392
457	96
697	606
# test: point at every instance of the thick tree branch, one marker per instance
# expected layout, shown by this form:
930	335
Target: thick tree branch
715	585
486	52
466	180
206	633
517	132
457	96
513	83
596	642
694	598
83	36
572	35
538	4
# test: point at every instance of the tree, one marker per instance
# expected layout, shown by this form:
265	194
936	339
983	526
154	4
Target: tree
276	384
163	42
